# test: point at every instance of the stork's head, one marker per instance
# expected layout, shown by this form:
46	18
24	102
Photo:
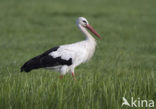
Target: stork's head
83	22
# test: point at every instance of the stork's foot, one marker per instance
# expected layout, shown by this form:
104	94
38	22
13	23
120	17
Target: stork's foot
73	76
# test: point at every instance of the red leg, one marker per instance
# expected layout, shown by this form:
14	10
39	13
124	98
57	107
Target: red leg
61	76
73	75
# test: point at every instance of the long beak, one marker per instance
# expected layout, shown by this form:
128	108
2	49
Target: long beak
93	31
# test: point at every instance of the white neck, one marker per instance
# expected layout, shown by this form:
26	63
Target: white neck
85	32
89	40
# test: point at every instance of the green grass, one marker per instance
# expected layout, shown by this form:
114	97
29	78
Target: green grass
124	63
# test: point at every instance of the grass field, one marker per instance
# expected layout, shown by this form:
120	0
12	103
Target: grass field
124	64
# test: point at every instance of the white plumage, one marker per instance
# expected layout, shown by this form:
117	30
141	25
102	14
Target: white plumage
78	53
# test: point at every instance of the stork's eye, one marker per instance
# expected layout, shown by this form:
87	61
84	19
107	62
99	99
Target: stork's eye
84	21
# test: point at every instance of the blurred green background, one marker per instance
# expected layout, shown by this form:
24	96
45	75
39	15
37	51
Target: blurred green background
123	64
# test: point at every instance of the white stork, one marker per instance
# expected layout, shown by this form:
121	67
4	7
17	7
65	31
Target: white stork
65	58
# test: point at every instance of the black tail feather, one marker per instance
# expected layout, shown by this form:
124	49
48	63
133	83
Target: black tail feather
35	62
45	60
31	64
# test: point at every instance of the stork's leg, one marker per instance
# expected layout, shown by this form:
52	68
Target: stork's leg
73	75
63	71
61	76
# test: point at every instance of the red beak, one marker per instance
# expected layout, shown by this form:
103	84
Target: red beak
92	30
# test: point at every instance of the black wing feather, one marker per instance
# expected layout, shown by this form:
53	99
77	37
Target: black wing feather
45	60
